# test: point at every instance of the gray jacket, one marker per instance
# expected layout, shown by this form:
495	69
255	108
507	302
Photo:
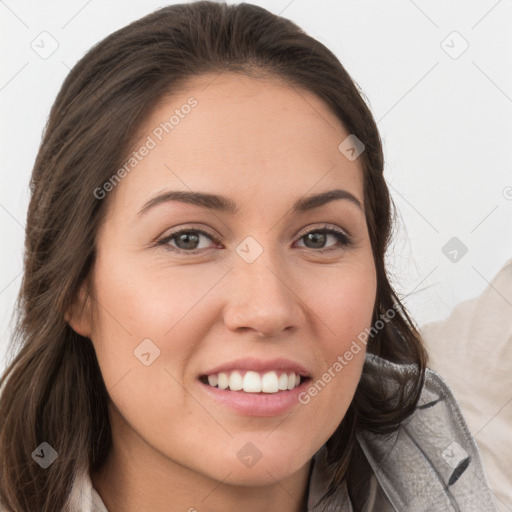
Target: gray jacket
430	464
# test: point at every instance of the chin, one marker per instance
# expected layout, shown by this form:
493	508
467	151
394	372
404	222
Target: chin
253	466
261	474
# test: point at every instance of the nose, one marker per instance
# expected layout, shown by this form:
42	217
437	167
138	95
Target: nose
262	298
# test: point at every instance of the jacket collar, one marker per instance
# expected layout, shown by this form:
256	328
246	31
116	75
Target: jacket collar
431	462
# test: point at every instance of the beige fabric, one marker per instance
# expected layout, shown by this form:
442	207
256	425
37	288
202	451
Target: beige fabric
472	351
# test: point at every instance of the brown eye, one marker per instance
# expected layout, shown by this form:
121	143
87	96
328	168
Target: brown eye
317	238
185	240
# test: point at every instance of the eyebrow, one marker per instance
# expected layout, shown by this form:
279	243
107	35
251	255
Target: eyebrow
224	204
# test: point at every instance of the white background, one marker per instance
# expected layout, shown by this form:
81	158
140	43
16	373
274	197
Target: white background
446	124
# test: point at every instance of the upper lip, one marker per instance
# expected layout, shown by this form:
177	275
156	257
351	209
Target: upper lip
260	365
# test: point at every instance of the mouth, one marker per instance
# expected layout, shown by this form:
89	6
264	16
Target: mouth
248	381
256	388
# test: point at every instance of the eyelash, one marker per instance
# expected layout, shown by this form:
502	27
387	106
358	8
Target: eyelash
343	238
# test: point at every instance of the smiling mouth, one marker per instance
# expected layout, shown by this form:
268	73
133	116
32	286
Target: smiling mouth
254	382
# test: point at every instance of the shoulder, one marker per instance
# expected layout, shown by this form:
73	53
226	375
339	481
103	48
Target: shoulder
432	459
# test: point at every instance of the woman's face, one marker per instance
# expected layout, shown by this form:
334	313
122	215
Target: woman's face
242	291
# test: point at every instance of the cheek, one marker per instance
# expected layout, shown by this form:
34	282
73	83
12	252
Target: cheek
345	306
136	301
149	324
344	309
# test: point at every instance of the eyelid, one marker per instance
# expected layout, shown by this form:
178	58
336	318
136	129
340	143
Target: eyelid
322	226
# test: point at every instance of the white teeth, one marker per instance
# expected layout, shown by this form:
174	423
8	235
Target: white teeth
236	381
223	381
282	383
291	380
254	382
269	383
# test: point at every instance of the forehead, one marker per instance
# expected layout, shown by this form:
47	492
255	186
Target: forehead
247	138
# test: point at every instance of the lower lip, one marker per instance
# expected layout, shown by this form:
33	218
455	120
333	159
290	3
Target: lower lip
257	404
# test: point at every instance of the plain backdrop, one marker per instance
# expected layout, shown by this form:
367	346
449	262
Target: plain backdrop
437	76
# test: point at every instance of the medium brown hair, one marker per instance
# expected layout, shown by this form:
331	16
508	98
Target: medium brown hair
53	390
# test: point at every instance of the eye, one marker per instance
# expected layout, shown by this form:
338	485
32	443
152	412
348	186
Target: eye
186	240
318	238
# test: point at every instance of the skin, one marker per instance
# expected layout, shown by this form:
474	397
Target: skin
264	145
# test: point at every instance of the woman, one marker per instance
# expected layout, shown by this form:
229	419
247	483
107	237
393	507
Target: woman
206	317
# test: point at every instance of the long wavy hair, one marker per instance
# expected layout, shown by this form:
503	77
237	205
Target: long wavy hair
52	390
